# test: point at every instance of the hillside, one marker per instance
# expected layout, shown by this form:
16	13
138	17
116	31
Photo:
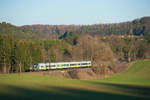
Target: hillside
23	33
28	45
107	53
137	74
132	84
17	32
136	27
52	29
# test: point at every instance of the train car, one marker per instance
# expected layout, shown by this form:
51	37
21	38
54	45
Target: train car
61	65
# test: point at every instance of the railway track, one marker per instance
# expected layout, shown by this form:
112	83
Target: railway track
81	69
66	69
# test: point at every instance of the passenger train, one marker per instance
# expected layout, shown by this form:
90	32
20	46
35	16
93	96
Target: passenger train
61	65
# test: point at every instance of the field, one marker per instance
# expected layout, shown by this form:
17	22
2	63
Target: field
133	84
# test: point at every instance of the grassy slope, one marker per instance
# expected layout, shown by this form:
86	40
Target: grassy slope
137	74
132	84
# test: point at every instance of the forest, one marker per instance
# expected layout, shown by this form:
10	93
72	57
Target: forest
106	45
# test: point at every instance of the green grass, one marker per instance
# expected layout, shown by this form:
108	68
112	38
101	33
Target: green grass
133	84
137	74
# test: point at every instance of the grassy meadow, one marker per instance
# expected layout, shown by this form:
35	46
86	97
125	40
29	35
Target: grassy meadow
133	84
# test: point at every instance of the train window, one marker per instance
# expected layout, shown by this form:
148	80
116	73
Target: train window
42	66
84	64
65	65
53	65
57	65
72	64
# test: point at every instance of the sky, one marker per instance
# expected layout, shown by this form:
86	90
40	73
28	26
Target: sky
78	12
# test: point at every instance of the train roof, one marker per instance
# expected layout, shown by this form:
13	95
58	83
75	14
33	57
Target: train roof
66	62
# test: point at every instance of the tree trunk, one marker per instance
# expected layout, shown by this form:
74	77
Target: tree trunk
20	66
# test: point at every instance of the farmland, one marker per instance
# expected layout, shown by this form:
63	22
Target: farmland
133	84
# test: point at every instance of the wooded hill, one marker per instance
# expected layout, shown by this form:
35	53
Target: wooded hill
21	47
135	27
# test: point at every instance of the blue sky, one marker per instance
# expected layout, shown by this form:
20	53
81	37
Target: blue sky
56	12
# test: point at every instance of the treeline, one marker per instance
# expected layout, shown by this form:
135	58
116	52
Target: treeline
52	29
136	27
23	33
17	55
129	48
21	47
17	32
